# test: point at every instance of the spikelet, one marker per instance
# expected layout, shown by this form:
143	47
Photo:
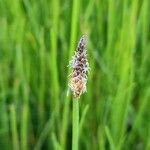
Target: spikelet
80	67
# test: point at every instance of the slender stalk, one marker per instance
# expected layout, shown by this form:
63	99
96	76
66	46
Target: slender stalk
24	127
75	126
13	122
74	25
53	56
65	122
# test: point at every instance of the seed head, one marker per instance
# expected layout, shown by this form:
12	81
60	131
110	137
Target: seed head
80	67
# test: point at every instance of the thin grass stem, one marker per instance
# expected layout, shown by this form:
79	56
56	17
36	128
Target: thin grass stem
75	125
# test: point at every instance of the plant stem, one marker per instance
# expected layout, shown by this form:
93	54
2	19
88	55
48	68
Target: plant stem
75	125
65	121
13	122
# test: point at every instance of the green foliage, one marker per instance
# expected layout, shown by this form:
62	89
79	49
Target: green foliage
37	40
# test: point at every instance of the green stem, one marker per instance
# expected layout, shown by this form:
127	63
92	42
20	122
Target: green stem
65	122
24	127
13	122
75	124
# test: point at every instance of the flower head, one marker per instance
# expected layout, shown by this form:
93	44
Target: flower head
80	67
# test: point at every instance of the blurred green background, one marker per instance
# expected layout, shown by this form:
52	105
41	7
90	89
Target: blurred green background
37	40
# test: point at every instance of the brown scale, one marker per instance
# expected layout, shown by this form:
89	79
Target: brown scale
78	76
